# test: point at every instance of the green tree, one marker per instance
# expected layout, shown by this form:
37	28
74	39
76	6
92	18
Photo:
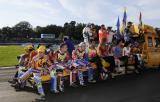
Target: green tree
23	29
49	29
6	33
78	31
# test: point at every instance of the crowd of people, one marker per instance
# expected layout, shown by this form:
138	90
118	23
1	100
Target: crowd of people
107	57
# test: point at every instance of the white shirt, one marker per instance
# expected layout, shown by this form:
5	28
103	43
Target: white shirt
86	32
110	37
126	51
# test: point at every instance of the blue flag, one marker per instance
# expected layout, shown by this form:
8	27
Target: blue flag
125	18
140	23
118	36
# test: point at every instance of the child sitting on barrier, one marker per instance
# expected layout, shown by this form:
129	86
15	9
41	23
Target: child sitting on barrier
118	57
23	61
80	60
38	63
93	56
103	53
61	63
107	59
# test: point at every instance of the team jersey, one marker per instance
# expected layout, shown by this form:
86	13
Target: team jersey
92	53
39	63
102	51
31	56
76	54
24	60
61	57
52	56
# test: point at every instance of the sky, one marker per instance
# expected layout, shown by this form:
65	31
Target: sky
44	12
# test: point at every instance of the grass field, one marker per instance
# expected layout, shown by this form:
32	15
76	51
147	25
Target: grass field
8	55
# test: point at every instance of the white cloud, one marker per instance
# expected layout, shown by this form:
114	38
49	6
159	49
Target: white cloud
35	11
43	12
89	10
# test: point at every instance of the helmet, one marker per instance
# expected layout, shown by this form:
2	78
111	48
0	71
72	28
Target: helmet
28	48
42	49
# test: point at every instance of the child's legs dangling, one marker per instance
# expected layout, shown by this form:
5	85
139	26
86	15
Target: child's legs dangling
26	75
80	75
60	81
53	81
90	73
20	72
37	79
73	76
23	76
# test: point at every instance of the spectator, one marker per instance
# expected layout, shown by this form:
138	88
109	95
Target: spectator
127	50
102	33
70	45
87	34
127	32
103	52
119	57
94	33
110	35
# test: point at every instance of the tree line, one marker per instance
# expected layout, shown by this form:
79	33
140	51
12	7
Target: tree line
24	30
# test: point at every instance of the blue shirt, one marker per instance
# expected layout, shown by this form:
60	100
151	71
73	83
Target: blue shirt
118	52
70	46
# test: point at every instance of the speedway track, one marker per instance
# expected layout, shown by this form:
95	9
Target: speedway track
143	87
6	73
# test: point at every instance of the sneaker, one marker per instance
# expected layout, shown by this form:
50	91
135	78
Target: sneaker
82	84
61	88
137	72
12	81
43	98
92	81
121	69
105	76
16	85
113	75
54	91
73	85
102	76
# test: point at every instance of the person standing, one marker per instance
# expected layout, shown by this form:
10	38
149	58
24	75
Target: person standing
128	33
103	33
94	33
87	34
110	35
69	44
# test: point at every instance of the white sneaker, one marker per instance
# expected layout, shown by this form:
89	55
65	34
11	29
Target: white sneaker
55	91
120	69
92	81
42	97
105	76
82	84
61	89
